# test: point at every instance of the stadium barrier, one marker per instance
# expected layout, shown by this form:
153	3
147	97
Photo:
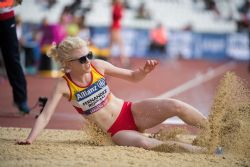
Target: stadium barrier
189	45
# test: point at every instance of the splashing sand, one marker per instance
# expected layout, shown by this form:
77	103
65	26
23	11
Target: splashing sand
96	136
229	121
171	134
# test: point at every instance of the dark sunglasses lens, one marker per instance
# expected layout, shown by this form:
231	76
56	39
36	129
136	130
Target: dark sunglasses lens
83	60
90	55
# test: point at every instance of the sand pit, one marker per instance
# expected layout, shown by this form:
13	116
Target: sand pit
73	148
229	125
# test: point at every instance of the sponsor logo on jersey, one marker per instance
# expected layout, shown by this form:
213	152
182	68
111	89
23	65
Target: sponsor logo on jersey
92	98
97	86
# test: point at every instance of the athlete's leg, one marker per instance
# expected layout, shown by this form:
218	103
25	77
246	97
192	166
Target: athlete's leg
112	38
117	39
151	112
134	138
137	139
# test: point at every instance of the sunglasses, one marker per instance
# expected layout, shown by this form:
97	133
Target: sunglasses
84	59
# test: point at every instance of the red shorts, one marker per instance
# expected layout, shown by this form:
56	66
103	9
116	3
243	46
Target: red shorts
125	120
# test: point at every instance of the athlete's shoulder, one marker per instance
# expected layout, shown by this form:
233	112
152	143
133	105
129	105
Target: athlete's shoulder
61	86
62	80
97	62
103	66
99	65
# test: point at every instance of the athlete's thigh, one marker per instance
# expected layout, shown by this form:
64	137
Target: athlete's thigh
134	138
151	112
115	36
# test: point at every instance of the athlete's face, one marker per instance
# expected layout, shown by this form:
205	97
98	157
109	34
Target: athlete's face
81	57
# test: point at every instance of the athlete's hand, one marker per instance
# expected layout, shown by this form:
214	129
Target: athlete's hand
149	66
23	142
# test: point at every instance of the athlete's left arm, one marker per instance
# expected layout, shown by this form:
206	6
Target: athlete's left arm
130	75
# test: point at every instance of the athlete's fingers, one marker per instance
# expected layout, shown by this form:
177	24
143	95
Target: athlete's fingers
20	142
155	62
152	63
23	143
149	62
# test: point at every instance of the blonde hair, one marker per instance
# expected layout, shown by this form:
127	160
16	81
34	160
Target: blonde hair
62	52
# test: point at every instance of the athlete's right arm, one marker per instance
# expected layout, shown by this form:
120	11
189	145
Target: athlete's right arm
43	119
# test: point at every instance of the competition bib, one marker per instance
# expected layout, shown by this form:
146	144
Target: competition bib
94	97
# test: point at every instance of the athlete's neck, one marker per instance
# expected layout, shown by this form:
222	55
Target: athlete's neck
81	77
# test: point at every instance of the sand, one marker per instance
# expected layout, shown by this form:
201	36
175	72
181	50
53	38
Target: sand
72	148
229	121
228	127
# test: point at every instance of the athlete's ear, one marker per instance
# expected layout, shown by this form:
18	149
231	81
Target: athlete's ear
67	66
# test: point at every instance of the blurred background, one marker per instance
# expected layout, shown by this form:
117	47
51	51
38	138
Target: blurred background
196	42
194	28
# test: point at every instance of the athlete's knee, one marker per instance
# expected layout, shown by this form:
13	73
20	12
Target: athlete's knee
174	106
143	143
